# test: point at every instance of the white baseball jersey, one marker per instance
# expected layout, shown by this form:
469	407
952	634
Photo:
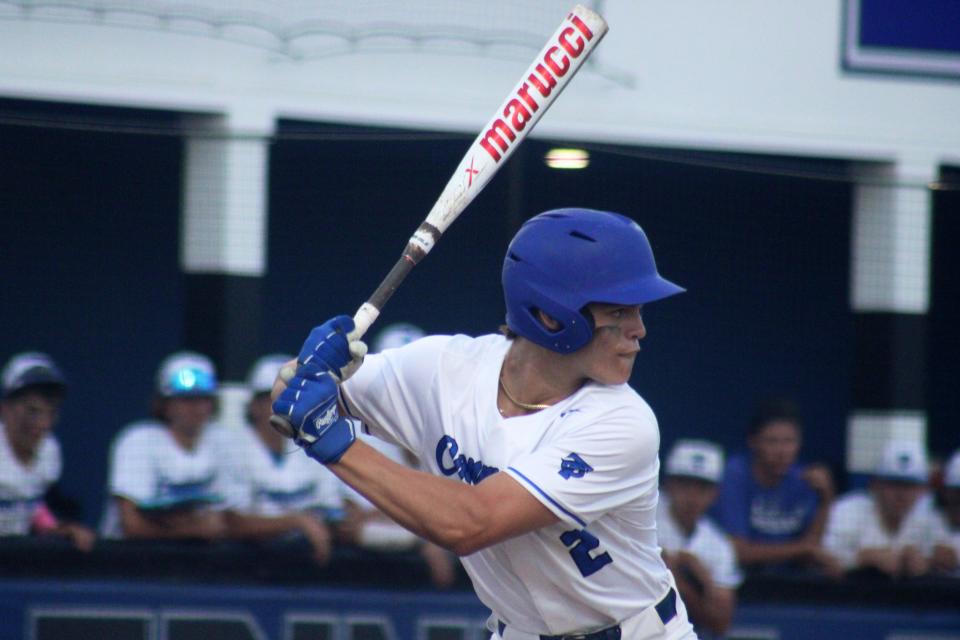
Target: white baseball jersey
591	459
260	482
854	524
149	468
22	487
708	543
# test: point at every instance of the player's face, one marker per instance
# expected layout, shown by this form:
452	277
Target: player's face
28	419
260	410
609	356
188	414
689	498
776	447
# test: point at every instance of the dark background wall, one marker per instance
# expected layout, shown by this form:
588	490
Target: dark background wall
89	241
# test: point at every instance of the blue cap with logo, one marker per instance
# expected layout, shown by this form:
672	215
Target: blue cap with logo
186	373
29	369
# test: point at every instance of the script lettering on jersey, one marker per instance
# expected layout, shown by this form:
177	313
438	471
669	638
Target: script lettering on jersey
452	462
571	43
573	466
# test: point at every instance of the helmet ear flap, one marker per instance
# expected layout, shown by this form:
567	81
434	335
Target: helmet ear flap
588	316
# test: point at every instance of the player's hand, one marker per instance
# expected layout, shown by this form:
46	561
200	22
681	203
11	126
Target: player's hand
828	564
331	347
318	535
913	562
81	537
944	559
820	479
884	559
310	407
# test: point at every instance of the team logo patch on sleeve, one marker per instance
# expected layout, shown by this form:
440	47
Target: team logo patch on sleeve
573	466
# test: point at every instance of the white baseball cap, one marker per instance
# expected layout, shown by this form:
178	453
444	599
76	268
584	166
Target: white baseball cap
696	459
28	369
904	460
397	335
264	371
186	373
951	474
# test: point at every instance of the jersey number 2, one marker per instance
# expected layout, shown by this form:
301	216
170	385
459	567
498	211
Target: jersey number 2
581	543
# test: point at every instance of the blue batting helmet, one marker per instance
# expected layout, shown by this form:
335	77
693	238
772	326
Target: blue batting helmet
564	259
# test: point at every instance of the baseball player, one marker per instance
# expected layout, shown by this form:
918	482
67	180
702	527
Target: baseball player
892	527
541	462
32	388
699	554
268	492
163	479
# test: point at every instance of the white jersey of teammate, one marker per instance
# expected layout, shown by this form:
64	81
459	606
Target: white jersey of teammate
591	459
149	468
708	543
854	524
261	482
22	487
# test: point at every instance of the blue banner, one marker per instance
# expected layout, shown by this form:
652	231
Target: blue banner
913	37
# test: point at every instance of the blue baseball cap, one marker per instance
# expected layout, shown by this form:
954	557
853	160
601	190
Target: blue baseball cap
186	373
31	368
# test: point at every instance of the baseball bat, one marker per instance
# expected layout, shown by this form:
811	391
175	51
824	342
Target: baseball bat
548	75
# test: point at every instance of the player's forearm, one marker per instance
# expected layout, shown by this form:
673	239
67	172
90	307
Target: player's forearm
710	607
819	522
249	526
751	553
440	510
718	609
139	525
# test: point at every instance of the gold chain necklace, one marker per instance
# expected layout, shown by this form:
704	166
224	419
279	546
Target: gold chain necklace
522	405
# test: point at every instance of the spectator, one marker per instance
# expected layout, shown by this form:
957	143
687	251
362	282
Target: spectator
32	388
271	494
893	527
368	527
950	559
773	507
696	550
163	471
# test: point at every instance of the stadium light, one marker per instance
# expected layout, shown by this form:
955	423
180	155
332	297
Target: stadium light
567	158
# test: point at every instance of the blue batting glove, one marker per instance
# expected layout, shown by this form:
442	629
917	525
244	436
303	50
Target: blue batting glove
326	349
310	405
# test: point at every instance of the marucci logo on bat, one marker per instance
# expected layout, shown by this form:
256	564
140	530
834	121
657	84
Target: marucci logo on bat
519	110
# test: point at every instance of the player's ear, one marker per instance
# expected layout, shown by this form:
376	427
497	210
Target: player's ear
548	321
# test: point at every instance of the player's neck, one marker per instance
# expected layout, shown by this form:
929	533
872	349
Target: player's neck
270	437
764	476
24	454
187	439
532	375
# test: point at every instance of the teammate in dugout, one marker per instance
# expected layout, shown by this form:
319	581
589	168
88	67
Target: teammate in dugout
32	388
543	462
